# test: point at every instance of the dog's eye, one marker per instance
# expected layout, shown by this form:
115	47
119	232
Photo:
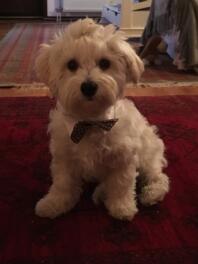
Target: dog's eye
104	64
72	65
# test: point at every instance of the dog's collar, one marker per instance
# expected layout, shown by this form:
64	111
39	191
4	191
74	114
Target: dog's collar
82	127
71	122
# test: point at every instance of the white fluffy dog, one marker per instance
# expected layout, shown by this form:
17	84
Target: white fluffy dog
86	68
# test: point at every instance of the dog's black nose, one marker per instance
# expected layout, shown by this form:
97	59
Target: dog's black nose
89	88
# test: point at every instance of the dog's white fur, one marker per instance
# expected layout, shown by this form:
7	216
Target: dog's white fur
113	158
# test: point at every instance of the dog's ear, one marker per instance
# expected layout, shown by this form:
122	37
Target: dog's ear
134	65
42	66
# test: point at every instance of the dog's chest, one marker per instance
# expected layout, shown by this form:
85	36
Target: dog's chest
93	154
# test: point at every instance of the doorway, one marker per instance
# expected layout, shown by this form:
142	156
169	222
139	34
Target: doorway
25	8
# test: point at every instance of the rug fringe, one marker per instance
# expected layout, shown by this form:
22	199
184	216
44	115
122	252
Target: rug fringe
34	89
22	85
167	84
141	89
37	85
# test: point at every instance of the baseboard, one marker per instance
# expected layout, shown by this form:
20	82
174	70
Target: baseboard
80	14
133	32
20	17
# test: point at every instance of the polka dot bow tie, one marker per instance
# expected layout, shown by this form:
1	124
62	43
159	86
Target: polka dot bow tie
82	127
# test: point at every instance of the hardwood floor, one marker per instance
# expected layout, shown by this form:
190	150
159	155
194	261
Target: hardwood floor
5	26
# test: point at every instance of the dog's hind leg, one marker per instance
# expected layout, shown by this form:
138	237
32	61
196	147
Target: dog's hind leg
120	195
155	182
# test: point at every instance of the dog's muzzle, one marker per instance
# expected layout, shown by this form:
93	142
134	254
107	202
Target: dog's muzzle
89	89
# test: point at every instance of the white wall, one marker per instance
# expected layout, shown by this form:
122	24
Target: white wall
84	5
50	7
77	5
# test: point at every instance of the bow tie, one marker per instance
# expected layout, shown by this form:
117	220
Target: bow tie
82	127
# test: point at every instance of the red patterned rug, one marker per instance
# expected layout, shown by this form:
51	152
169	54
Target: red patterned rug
18	50
166	233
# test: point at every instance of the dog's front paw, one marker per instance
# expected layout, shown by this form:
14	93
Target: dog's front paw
51	206
155	192
122	211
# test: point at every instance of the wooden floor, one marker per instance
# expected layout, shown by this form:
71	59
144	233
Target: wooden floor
5	26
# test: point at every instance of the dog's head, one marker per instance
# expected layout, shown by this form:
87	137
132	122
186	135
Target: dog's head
87	67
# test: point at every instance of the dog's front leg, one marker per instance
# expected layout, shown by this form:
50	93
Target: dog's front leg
120	193
64	192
